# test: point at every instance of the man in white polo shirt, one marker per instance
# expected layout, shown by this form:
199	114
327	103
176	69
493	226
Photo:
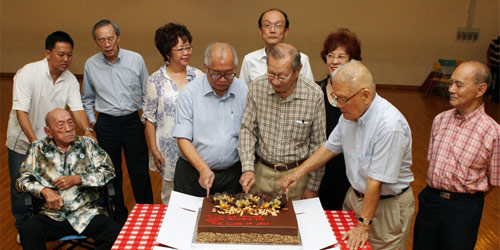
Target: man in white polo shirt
273	29
40	87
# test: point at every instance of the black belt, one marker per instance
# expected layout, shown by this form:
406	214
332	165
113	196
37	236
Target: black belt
447	195
382	197
136	113
280	166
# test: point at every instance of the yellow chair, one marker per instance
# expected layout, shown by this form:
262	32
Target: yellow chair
442	72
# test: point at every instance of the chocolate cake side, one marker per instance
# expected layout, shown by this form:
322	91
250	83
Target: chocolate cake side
222	228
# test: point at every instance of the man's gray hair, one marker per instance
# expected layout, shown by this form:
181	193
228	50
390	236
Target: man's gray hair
220	46
279	51
105	22
481	72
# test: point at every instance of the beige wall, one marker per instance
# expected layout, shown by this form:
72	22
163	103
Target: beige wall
400	39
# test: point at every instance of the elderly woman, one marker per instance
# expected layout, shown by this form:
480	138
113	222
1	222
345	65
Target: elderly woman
174	43
338	48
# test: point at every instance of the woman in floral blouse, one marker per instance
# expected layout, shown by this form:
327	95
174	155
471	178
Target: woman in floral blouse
174	43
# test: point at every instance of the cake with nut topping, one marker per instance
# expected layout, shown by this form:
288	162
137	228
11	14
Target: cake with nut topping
247	218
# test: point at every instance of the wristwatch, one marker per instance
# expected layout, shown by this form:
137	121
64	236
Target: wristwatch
365	221
89	129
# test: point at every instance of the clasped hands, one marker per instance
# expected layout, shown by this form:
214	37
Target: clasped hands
53	199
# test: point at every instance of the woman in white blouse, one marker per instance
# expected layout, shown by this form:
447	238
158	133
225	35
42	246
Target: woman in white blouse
174	43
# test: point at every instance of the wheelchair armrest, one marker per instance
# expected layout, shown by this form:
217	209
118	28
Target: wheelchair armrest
28	199
111	189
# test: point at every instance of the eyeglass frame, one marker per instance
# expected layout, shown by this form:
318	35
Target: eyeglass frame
111	40
217	76
181	49
277	26
332	57
337	100
271	77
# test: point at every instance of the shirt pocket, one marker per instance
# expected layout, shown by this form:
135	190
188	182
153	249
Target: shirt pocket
300	129
132	80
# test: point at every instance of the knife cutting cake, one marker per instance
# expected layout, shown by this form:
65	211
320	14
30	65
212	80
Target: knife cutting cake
247	218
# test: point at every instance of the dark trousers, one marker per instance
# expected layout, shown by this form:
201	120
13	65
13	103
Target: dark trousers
495	85
446	224
36	231
19	210
334	184
186	179
127	132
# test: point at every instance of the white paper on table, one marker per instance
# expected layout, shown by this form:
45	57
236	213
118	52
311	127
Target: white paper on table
177	228
161	248
308	205
186	201
315	230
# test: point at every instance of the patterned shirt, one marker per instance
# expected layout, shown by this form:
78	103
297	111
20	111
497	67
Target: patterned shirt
464	152
283	130
159	109
45	162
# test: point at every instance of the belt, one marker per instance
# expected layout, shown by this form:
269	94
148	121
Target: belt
447	195
382	197
280	166
135	113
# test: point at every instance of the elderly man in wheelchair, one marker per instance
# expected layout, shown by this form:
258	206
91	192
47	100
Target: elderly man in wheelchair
66	171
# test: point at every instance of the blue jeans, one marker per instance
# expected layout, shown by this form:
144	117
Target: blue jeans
19	210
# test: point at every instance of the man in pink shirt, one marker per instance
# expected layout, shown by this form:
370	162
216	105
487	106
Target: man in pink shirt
464	156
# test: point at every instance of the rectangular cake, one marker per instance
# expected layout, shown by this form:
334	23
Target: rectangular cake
280	228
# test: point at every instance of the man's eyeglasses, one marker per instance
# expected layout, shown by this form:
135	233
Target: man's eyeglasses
269	26
335	100
110	40
280	78
332	57
216	75
180	49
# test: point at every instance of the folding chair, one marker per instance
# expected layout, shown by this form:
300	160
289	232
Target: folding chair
442	72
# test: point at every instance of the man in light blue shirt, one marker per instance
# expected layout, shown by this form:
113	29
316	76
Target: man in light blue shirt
208	118
114	85
376	141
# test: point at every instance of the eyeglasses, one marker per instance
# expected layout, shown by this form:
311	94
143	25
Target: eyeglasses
280	78
110	40
277	26
335	100
180	49
216	76
332	57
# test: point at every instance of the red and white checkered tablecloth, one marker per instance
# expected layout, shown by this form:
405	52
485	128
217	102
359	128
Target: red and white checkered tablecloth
144	222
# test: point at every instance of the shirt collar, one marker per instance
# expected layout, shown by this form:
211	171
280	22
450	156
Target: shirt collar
369	112
190	72
471	116
262	54
207	89
118	58
298	93
47	70
50	145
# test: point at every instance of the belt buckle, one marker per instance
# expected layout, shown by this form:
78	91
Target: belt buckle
283	165
445	195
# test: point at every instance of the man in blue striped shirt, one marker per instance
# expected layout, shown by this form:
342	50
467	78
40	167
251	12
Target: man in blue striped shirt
114	85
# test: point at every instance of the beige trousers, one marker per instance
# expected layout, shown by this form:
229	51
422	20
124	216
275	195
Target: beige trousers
391	225
267	182
166	190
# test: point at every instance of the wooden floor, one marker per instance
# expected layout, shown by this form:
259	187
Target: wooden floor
418	110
